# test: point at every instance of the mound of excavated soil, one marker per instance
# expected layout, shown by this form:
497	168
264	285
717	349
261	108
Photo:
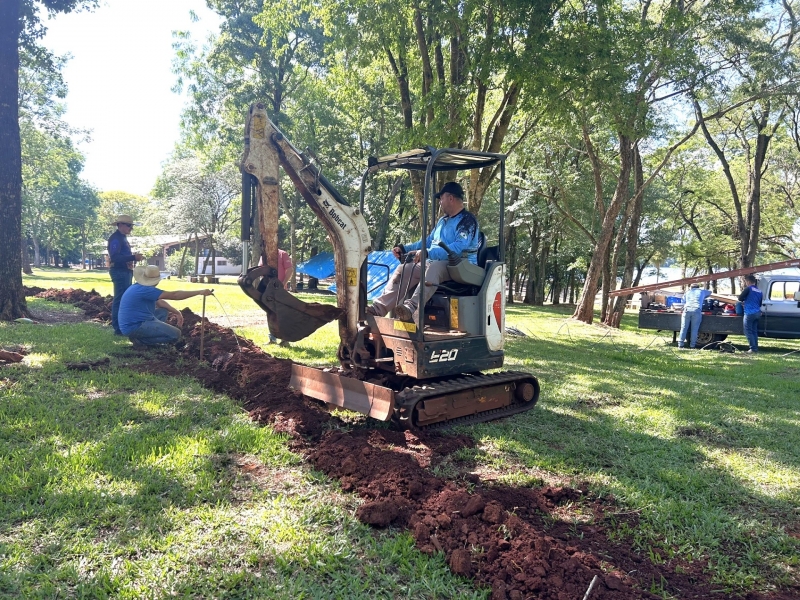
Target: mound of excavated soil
513	540
93	304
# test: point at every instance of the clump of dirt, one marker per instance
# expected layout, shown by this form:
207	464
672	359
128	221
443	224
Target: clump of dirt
8	356
93	304
513	540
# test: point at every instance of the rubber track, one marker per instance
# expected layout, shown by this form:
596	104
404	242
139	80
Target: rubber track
407	399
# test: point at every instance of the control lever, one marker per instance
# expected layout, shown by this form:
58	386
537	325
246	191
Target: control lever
452	258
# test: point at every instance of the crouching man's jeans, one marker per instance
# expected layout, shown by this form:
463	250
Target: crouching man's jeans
152	333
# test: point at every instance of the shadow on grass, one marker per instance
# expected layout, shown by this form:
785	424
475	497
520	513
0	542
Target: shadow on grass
699	445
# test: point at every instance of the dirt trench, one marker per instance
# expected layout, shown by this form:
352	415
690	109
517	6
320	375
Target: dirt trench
513	540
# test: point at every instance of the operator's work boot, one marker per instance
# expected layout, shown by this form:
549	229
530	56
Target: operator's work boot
404	313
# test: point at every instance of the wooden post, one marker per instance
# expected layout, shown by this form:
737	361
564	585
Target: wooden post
202	328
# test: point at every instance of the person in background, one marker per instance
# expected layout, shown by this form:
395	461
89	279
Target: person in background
458	228
692	314
144	309
285	276
751	298
121	261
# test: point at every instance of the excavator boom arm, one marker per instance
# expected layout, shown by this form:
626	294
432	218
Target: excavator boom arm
267	149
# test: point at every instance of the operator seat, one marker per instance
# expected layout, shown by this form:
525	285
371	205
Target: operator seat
485	254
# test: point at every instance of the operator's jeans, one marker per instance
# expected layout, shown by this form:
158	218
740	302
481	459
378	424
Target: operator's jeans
152	333
122	280
690	320
751	330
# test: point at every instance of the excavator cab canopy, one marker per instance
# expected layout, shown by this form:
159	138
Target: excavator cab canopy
444	159
437	160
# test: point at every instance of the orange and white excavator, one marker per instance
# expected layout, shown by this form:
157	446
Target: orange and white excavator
423	374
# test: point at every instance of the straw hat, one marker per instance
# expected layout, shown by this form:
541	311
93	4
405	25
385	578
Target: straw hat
122	219
149	275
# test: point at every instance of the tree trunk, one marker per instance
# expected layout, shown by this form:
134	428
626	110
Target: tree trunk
511	261
26	261
615	316
533	232
183	256
748	218
213	254
556	275
584	311
383	225
571	286
541	273
754	199
196	254
12	297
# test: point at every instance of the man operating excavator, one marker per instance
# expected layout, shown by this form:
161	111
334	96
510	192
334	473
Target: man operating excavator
458	229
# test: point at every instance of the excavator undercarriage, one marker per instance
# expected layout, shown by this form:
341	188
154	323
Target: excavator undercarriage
426	373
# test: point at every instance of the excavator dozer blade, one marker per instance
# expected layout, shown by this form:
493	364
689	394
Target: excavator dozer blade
360	396
289	319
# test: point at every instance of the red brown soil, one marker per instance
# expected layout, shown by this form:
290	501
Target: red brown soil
94	305
510	539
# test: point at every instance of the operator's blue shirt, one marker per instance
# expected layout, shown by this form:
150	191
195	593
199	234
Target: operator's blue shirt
460	233
137	306
693	299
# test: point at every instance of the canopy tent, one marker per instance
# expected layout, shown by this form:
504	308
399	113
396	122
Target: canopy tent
380	266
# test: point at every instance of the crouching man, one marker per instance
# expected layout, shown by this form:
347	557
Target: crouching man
144	309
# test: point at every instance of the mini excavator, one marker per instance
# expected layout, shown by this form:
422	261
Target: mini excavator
423	374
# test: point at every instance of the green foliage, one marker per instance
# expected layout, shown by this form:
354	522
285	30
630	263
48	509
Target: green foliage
193	197
178	262
545	83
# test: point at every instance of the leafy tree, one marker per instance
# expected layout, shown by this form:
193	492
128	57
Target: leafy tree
255	57
199	200
20	26
646	59
461	70
52	192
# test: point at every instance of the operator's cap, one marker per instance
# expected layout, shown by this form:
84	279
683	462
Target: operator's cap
451	187
695	285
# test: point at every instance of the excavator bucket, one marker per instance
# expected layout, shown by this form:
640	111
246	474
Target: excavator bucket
289	319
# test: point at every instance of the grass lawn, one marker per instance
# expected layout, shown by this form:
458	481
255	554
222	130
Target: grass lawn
118	483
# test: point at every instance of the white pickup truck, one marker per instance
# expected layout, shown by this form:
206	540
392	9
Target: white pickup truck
780	314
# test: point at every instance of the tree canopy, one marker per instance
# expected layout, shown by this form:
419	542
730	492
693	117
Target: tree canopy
636	133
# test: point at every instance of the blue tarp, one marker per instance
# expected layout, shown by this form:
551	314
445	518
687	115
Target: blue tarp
319	266
380	266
